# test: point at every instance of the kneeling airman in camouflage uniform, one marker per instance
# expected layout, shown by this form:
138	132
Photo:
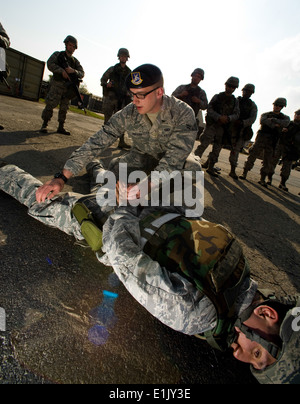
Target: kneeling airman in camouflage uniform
62	90
163	131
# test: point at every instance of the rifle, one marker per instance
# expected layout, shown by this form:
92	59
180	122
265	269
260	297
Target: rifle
74	81
3	80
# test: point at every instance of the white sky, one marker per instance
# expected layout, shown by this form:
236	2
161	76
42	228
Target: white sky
255	40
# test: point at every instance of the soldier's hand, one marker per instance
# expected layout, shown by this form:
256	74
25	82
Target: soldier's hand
49	190
223	119
65	75
69	70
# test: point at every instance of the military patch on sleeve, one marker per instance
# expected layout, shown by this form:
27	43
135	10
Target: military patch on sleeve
136	78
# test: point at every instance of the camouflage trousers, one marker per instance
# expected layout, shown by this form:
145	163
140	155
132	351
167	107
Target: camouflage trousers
110	107
263	146
59	94
54	213
212	134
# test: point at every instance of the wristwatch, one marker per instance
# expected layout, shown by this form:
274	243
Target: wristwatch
63	177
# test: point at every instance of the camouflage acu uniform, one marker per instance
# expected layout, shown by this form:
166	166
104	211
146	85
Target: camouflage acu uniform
116	97
221	104
163	146
266	141
169	296
243	128
60	91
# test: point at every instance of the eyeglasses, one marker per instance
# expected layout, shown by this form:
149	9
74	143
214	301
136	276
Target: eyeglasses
141	96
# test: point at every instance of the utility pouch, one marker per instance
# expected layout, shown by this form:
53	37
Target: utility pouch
89	229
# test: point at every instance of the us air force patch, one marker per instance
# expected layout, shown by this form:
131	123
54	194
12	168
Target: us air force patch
136	78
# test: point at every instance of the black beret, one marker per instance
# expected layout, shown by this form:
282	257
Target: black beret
144	76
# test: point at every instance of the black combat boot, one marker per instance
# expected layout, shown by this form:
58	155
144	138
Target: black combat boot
282	185
44	127
62	130
232	173
262	181
211	170
244	175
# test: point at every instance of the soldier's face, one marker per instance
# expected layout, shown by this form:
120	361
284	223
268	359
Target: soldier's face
229	89
70	48
196	78
277	109
251	352
151	103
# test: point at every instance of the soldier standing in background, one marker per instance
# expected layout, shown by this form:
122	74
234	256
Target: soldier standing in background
62	90
288	149
193	94
267	138
242	130
4	43
115	95
223	110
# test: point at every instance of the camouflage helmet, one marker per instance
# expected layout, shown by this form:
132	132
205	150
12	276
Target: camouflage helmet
249	87
233	82
198	71
281	102
124	52
71	39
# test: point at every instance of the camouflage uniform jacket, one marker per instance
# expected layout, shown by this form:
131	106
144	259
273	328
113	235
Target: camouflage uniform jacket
57	70
170	139
117	74
193	92
218	107
168	296
4	39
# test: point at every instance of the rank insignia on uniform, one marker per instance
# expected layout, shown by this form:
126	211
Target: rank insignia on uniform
136	78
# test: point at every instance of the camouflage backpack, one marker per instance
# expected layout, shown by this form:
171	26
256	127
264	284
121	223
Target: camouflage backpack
205	253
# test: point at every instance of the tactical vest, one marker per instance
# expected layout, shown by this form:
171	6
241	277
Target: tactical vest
207	255
71	62
118	78
223	105
192	92
272	133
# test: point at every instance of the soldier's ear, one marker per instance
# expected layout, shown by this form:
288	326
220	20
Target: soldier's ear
160	92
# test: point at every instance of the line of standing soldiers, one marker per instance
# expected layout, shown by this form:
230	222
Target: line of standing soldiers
229	122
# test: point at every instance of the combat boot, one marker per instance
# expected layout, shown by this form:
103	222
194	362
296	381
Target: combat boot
282	185
270	178
205	165
211	170
244	175
262	181
44	127
232	173
62	130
